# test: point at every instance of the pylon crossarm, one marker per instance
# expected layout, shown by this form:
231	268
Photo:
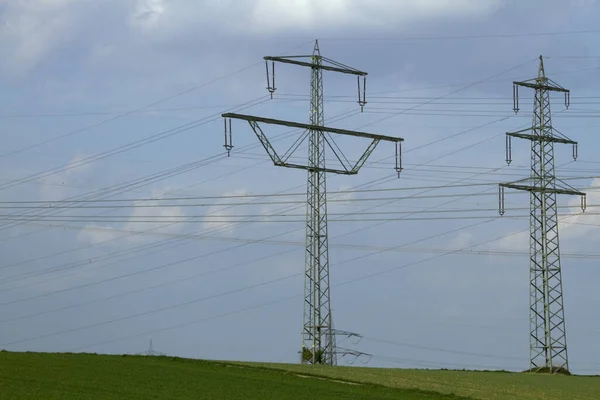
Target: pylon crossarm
540	138
348	168
336	67
300	125
534	84
348	334
351	70
537	189
308	168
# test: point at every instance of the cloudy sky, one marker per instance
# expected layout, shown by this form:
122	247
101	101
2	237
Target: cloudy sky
120	99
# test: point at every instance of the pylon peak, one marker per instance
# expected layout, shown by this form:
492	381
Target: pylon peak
316	50
541	72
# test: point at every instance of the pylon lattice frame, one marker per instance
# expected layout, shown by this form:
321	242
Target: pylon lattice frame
548	339
317	332
151	351
318	335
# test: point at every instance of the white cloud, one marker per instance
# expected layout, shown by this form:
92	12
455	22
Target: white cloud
461	240
95	234
342	202
218	214
514	241
31	29
148	13
583	225
270	15
583	3
57	186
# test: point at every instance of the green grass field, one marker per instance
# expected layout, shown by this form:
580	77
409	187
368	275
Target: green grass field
88	376
470	384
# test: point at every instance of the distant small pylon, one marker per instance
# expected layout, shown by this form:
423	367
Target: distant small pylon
151	351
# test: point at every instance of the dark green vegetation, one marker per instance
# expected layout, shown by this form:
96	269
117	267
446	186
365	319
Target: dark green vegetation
307	355
88	376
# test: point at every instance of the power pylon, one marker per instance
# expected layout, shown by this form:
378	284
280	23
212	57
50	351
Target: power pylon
151	351
318	336
548	339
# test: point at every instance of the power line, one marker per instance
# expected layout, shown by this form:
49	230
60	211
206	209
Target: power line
196	300
379	224
437	349
302	220
446	95
250	146
245	263
456	91
438	169
410	243
139	109
336	245
196	218
281	300
403	218
386	221
357	230
69	167
212	204
162	175
103	122
128	185
146	231
175	171
151	246
451	252
123	148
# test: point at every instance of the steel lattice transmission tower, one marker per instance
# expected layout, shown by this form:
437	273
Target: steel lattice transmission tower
548	340
318	335
151	351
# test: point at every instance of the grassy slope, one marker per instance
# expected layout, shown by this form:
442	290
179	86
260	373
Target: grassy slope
83	376
479	385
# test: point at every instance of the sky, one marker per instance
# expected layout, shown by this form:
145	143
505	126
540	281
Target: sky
122	99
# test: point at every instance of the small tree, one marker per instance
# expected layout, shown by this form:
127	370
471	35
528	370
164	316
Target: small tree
307	355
